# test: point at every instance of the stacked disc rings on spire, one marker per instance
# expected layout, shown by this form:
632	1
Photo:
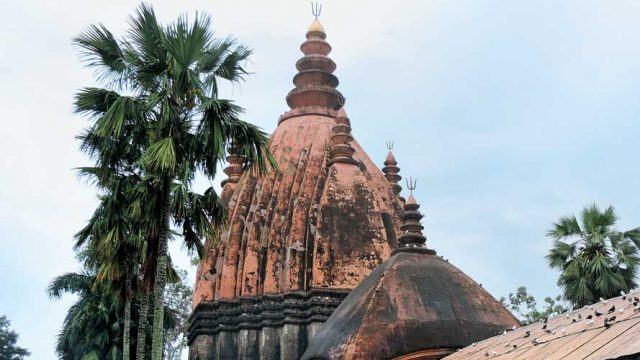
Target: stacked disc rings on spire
392	171
411	226
315	82
342	151
235	167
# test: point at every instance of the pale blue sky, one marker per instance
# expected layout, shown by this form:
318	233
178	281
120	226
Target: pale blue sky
510	114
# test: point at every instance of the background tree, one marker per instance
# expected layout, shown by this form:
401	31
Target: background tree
524	306
595	260
160	118
178	301
93	326
112	245
9	350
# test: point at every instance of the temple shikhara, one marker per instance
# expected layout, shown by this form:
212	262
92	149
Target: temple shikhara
325	259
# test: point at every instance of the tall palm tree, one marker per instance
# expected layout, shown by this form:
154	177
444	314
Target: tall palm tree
94	326
595	260
160	118
111	244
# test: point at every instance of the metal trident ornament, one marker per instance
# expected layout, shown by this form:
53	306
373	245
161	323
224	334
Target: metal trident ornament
411	184
389	145
316	9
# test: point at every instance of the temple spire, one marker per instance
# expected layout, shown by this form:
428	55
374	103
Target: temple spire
392	171
315	84
235	167
342	151
411	222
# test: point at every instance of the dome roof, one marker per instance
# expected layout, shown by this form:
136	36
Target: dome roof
324	222
316	224
413	303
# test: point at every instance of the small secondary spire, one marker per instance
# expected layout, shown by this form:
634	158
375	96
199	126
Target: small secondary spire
411	225
341	139
235	166
392	171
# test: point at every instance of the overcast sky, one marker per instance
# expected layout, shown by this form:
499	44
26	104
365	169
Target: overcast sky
509	113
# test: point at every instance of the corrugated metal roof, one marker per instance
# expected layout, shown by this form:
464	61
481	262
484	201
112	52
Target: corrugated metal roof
580	334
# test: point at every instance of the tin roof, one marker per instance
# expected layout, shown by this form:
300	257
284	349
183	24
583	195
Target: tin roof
580	334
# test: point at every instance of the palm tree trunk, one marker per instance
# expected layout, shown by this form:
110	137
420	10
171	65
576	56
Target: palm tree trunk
126	341
142	326
161	278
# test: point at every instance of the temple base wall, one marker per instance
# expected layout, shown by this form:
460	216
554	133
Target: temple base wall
269	327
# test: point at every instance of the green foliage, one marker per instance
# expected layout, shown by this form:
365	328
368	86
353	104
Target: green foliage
177	301
595	260
155	124
9	350
94	325
92	328
524	306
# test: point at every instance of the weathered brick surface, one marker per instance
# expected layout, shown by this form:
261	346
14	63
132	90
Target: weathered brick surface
299	240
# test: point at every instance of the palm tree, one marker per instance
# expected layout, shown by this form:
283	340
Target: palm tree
595	260
92	327
160	118
111	244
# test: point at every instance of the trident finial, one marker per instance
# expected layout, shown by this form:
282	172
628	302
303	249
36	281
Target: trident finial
411	184
389	145
316	9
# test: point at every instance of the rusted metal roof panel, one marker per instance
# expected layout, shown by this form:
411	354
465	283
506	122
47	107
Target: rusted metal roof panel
609	329
624	344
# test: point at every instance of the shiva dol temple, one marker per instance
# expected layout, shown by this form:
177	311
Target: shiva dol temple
325	259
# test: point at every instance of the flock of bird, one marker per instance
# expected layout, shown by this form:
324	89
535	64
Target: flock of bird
608	317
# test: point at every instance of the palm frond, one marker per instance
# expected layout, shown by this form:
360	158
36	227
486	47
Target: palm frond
102	51
161	156
231	68
633	235
72	283
560	253
567	226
